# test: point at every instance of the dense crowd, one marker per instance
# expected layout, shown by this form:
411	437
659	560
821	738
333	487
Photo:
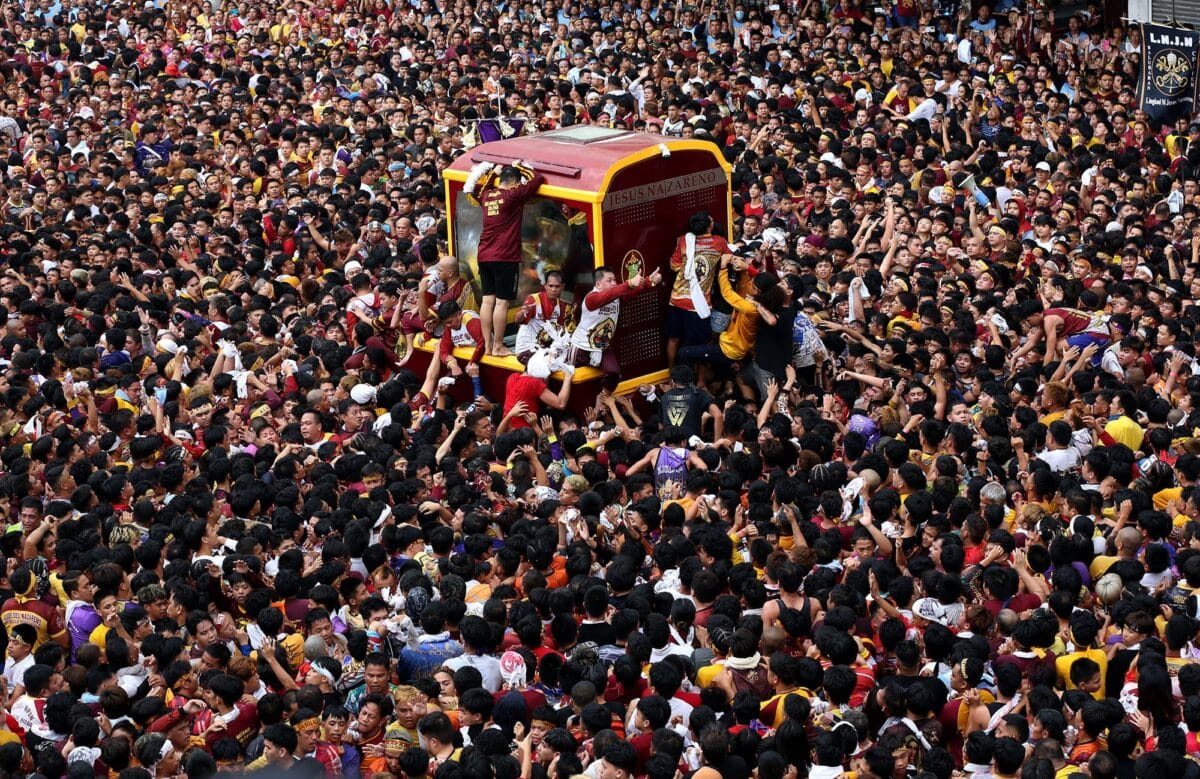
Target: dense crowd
918	500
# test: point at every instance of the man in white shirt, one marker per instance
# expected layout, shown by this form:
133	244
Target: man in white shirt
1121	355
950	85
21	639
542	317
476	637
30	709
1060	454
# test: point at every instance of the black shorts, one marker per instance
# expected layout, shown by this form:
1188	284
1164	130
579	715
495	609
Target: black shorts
499	279
687	326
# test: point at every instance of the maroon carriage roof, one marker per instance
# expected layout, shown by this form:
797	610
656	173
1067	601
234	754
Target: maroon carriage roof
578	157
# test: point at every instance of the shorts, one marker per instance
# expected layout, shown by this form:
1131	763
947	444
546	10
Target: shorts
499	279
1085	339
412	323
719	321
687	326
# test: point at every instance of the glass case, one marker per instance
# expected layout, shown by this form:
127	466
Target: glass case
554	236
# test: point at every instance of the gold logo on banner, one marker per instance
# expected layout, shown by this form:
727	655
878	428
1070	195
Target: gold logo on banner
1172	73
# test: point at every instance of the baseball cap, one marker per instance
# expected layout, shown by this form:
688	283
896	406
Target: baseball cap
929	609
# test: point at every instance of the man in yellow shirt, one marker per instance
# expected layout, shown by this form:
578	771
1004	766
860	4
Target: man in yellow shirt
720	630
1128	542
1121	426
1084	629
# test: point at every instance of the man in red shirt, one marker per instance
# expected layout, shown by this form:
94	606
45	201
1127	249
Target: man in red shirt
531	389
499	252
230	717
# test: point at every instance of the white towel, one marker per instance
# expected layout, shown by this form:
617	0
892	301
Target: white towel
699	302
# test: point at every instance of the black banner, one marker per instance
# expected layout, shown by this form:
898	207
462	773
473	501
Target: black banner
1167	87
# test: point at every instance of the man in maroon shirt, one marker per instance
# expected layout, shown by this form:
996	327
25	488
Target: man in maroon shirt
499	253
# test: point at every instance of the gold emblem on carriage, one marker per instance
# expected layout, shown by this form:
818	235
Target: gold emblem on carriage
634	264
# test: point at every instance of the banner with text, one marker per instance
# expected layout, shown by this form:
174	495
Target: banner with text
1167	87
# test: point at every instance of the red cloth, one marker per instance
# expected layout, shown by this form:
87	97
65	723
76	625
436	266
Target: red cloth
533	698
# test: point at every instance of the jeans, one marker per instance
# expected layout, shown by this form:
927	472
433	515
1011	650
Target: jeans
705	353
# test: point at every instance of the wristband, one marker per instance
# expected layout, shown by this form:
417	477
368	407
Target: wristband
552	438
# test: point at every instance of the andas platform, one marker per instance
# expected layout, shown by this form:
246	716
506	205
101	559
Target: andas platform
611	198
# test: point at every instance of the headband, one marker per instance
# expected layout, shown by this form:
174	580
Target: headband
395	747
167	748
311	722
324	672
406	693
842	722
27	595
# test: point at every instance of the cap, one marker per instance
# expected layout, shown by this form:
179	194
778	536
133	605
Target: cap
352	267
1044	166
929	609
